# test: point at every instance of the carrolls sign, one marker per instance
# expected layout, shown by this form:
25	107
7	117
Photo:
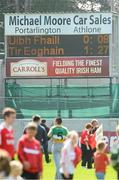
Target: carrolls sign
28	67
58	24
58	67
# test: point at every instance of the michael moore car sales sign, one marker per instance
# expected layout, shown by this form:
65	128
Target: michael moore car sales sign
58	24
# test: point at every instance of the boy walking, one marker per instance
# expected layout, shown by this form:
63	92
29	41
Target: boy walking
29	153
101	161
6	131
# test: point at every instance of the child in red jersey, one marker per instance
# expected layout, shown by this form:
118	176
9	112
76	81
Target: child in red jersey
29	153
86	147
6	131
101	161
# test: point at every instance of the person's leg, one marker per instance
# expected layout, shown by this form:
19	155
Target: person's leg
83	148
89	158
100	176
117	175
45	148
26	175
63	176
69	178
93	152
35	176
57	156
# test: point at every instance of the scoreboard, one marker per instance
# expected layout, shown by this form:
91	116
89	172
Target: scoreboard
58	45
58	55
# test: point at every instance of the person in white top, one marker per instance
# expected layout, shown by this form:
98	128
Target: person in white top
16	170
115	153
68	155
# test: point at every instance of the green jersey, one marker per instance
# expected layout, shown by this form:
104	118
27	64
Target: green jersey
58	133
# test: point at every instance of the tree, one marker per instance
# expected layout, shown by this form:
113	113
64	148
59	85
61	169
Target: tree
70	5
94	5
115	6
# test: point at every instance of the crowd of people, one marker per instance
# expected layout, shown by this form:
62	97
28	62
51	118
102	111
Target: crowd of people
26	160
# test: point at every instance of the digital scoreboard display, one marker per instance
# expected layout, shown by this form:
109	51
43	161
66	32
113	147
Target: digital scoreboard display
58	45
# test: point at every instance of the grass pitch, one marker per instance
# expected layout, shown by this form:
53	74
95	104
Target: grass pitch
80	173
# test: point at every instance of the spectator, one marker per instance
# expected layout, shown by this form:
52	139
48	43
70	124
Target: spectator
15	170
115	153
43	123
95	125
4	164
58	133
86	148
6	131
41	136
70	156
101	161
29	153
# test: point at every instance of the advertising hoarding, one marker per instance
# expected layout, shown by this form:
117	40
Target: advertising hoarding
58	67
58	24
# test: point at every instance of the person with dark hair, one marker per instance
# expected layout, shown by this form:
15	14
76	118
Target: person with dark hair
95	125
41	136
85	146
6	131
4	164
43	123
58	133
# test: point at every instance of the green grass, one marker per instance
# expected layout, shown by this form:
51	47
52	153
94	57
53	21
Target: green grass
80	173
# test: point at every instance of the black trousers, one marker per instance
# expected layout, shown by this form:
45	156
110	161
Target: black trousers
28	175
45	149
117	175
70	176
93	152
86	156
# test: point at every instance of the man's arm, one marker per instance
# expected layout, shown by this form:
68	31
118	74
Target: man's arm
20	151
45	137
50	133
21	155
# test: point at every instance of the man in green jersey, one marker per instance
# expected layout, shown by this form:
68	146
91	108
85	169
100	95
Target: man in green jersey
58	133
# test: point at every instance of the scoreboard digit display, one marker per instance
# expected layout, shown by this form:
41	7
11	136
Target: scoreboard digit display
96	45
58	45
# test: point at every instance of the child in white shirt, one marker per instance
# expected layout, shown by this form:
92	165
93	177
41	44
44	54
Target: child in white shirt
69	157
